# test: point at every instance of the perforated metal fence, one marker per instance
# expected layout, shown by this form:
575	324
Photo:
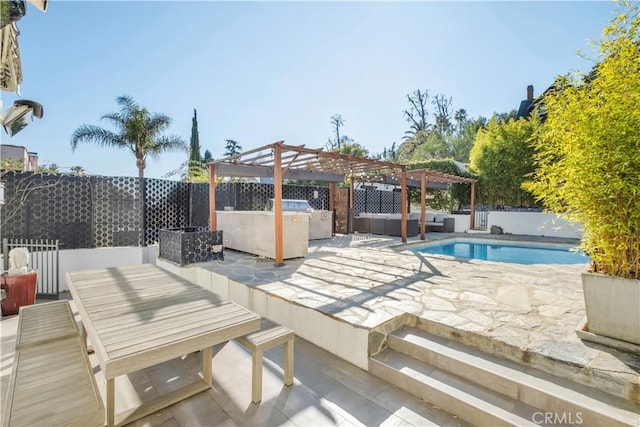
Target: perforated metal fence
99	211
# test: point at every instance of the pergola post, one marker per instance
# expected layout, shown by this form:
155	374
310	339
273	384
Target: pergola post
403	214
332	189
277	200
423	204
212	197
472	218
351	205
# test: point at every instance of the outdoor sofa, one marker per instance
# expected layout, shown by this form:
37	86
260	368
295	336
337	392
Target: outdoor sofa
440	223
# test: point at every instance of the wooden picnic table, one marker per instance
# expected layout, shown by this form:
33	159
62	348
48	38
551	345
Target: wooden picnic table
140	316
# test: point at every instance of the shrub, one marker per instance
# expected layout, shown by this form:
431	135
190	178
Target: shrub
588	150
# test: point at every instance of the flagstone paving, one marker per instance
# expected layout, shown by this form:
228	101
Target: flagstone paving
526	312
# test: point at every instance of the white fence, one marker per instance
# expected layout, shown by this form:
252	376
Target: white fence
534	224
527	223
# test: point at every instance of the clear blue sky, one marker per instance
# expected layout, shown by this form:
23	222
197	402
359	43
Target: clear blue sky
260	72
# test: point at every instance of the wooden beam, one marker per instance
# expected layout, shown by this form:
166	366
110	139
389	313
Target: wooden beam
423	205
229	169
277	200
212	197
403	214
472	218
314	176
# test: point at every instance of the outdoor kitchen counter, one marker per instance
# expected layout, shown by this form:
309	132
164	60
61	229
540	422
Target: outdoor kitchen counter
254	232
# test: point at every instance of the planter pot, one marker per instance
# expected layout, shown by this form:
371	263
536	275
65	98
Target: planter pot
187	246
612	305
20	290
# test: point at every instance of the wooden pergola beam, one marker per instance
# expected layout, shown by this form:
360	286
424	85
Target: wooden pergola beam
318	165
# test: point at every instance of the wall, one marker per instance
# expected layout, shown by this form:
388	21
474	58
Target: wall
533	224
461	223
93	259
346	341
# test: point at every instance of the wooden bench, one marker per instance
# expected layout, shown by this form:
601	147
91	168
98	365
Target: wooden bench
270	335
52	381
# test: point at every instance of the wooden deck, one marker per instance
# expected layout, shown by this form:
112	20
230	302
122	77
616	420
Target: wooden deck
137	317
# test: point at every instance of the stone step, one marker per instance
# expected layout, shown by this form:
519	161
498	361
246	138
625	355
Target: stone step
468	401
552	395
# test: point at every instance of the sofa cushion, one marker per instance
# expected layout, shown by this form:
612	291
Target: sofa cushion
440	218
431	217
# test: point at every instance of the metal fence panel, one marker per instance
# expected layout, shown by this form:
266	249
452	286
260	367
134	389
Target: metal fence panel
43	257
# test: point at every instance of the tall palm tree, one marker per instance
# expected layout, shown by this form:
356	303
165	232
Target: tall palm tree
138	131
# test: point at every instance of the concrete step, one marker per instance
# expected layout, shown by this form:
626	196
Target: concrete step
535	388
470	402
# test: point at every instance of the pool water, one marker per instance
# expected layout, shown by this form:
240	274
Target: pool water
512	252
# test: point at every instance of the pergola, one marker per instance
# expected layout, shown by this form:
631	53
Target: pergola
280	161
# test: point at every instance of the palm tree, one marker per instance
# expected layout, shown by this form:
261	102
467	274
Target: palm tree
136	130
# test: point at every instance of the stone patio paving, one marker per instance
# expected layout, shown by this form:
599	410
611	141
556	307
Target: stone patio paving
525	312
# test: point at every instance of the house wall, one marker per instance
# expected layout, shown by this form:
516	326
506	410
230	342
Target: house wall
17	152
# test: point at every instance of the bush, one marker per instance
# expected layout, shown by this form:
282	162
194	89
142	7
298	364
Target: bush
588	150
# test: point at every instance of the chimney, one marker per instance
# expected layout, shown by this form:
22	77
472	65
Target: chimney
530	93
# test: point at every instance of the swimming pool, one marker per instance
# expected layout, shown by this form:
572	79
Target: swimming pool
503	251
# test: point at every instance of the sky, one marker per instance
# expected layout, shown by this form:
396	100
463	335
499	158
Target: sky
261	72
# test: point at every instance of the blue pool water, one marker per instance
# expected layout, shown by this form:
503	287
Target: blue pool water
519	253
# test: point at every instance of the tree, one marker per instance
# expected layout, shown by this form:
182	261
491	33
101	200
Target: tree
502	157
417	112
465	136
10	164
431	145
389	154
207	158
78	170
196	171
48	168
194	151
588	150
352	149
232	148
136	130
442	114
338	141
451	198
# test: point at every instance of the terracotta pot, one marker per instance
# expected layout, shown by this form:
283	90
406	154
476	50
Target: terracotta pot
20	290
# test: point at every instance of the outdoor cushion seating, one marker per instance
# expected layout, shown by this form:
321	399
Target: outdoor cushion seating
392	227
386	224
440	223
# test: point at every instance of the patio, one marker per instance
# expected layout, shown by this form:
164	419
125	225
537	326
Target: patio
342	299
327	391
351	290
